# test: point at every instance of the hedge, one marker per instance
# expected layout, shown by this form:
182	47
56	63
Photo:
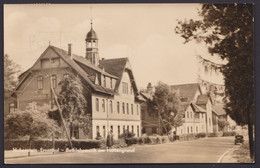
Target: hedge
9	144
146	140
230	133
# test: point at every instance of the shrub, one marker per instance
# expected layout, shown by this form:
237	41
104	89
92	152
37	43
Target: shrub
126	134
131	141
187	137
213	134
119	143
9	144
200	135
230	133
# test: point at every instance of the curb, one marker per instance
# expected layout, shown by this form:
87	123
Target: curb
224	154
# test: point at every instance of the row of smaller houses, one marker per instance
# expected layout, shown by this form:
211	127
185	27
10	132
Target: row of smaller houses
200	111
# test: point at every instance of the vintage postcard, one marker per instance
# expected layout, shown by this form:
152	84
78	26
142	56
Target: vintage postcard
128	83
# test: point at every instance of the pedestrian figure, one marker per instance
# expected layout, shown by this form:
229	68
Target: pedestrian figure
109	139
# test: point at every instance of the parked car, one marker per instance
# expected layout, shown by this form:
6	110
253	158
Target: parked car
239	139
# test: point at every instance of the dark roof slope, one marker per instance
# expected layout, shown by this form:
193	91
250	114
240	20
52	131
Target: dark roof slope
115	67
186	90
69	59
219	108
202	99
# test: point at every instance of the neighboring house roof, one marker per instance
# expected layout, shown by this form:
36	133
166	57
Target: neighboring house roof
186	90
198	108
219	108
184	106
202	99
147	95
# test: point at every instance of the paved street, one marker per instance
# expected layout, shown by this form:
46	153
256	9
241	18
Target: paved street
206	150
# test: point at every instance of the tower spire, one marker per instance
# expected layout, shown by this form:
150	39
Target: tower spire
92	46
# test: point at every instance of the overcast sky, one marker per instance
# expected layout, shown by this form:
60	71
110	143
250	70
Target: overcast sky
142	32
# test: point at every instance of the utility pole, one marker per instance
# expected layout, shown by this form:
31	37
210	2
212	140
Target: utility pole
62	119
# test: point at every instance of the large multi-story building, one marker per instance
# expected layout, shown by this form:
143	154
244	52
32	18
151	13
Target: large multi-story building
113	101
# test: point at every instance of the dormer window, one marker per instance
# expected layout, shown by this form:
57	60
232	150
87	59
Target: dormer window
104	81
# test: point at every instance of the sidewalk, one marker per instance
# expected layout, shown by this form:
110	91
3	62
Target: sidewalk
8	154
228	157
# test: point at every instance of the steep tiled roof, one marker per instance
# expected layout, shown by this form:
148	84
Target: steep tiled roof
202	99
186	90
116	67
219	108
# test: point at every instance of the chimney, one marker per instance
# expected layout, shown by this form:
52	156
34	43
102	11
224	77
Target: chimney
69	50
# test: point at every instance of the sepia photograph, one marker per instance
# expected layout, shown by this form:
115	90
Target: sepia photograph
129	83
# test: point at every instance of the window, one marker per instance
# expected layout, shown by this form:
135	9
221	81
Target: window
137	109
197	129
123	129
132	129
209	121
11	108
188	130
137	130
118	130
123	106
111	128
188	114
111	106
127	128
97	104
118	107
154	130
191	129
127	108
131	90
103	105
66	76
53	81
94	59
97	131
132	108
104	81
125	88
111	83
104	131
40	82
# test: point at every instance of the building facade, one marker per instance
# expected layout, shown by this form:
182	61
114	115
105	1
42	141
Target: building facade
112	95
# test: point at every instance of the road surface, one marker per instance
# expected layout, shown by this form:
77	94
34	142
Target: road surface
205	150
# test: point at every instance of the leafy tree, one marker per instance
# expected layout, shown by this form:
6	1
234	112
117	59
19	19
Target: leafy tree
166	103
227	30
11	70
31	122
222	124
74	104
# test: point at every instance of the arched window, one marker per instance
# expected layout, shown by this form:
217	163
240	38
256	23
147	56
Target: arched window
97	104
132	108
111	106
127	108
118	107
103	105
123	106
